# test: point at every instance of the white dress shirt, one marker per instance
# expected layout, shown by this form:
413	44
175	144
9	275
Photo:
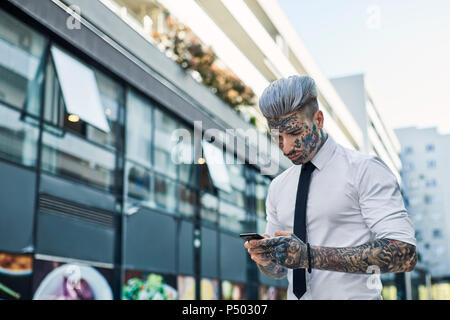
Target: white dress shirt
353	199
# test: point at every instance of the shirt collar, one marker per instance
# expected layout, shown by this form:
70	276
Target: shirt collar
324	154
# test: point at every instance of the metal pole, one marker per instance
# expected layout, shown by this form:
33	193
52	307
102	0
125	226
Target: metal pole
197	215
408	286
428	284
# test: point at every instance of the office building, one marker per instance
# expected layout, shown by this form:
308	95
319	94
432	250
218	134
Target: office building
379	139
426	184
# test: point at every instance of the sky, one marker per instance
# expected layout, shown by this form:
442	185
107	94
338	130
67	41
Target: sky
402	47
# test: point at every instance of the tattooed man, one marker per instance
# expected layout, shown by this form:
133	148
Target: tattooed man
356	222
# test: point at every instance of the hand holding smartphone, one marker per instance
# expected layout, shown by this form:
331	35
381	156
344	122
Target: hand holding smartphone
251	236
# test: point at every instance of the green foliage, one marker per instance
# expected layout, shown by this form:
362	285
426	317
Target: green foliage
187	50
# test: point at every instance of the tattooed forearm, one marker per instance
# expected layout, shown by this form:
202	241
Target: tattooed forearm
388	255
273	270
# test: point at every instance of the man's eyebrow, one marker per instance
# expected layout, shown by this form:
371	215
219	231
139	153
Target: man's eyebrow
292	130
282	122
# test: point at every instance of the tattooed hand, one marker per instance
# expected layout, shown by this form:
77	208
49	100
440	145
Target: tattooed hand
267	266
255	252
286	249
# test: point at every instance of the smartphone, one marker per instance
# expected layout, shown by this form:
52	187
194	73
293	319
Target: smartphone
251	236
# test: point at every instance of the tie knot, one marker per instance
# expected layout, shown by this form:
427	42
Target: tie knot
308	166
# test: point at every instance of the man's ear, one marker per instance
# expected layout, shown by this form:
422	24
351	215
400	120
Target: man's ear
318	119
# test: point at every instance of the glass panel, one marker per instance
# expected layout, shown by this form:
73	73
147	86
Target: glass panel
18	139
80	89
261	192
209	206
232	218
164	163
21	55
216	166
111	102
187	174
238	185
184	150
164	127
165	193
53	103
68	155
236	197
111	96
187	201
138	185
261	188
237	178
139	133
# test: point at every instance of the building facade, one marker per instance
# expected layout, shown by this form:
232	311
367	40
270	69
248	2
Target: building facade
96	189
254	39
426	185
379	139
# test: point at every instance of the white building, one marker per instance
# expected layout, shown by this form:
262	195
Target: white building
426	184
379	139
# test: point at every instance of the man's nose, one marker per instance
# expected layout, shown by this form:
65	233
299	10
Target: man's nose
288	147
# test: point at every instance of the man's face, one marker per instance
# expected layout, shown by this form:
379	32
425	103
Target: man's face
298	137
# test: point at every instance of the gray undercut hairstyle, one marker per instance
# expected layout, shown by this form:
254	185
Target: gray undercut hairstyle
287	95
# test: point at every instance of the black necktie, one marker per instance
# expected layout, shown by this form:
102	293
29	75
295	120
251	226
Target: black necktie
299	277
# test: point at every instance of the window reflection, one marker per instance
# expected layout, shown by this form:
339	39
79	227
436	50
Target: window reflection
184	153
139	129
18	139
231	217
165	193
187	201
138	183
164	164
261	189
232	207
236	197
238	185
111	96
237	177
209	206
164	127
21	56
72	156
187	172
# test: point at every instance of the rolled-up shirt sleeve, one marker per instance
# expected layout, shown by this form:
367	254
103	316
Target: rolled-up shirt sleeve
381	202
271	212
